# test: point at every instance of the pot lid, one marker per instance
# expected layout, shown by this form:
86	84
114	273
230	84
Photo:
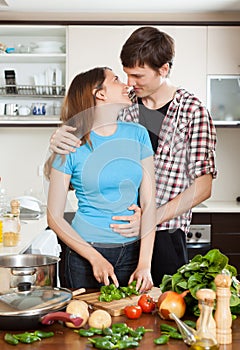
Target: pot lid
34	301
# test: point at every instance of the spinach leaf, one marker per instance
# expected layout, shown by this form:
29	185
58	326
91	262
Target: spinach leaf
199	273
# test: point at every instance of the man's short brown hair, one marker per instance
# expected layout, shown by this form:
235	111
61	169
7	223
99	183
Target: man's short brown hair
148	45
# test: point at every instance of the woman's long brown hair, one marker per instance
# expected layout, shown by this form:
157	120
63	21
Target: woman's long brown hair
78	107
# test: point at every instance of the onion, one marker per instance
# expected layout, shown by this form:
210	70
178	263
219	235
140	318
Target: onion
171	302
100	319
78	308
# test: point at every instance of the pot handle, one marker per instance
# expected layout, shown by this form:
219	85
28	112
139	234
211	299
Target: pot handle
61	316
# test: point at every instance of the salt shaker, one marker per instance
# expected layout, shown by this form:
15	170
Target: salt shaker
201	295
223	316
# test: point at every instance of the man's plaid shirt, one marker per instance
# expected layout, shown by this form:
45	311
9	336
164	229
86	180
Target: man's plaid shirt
186	150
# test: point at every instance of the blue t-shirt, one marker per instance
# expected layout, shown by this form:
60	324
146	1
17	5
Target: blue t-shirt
106	179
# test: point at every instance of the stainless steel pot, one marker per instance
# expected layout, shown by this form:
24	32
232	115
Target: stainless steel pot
29	307
38	270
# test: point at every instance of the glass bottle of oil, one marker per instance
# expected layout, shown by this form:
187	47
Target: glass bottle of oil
3	208
10	230
205	340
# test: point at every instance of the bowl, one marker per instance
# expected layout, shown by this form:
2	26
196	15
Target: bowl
48	47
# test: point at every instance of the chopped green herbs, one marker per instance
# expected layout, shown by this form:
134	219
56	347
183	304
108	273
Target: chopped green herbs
118	336
111	292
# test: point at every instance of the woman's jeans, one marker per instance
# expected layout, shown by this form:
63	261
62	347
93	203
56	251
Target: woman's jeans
123	257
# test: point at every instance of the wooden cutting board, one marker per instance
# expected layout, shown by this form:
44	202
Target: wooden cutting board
115	307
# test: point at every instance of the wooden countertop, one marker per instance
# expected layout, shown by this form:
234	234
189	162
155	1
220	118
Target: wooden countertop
66	339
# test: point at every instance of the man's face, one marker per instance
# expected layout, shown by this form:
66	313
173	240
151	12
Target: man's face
145	80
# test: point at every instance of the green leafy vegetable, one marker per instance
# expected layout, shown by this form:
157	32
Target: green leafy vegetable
199	273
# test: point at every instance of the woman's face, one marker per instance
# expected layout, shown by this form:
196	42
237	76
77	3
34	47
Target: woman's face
115	91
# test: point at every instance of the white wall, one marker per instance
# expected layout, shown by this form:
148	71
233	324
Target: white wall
22	151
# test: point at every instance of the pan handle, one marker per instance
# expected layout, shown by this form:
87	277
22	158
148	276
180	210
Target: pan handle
61	316
78	291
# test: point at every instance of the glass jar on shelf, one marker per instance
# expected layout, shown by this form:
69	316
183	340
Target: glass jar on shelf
10	230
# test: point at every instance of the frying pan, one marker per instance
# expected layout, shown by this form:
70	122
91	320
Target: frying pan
29	309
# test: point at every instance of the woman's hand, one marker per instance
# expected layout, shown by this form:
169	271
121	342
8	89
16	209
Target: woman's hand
132	228
63	141
143	278
103	270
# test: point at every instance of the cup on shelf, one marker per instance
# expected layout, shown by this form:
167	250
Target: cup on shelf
2	108
24	110
39	108
11	109
57	106
25	48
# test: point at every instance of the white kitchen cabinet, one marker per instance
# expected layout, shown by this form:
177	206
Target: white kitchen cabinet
190	64
91	46
223	50
38	59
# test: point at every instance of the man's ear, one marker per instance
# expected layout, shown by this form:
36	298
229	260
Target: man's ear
99	94
164	70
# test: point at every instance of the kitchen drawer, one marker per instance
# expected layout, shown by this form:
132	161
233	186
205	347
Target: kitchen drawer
201	218
225	233
226	236
227	242
222	223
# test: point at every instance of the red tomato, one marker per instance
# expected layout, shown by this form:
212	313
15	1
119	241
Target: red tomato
147	303
133	311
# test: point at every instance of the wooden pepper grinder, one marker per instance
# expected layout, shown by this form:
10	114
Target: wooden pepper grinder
15	210
223	316
202	295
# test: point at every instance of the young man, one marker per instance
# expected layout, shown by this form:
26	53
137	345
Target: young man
183	138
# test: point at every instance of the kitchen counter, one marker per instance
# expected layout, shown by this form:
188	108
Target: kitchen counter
217	207
30	230
67	339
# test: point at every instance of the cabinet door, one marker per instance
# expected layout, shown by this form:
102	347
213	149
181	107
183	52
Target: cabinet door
223	50
92	46
226	236
190	63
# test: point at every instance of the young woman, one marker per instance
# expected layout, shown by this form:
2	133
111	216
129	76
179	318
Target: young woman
112	170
